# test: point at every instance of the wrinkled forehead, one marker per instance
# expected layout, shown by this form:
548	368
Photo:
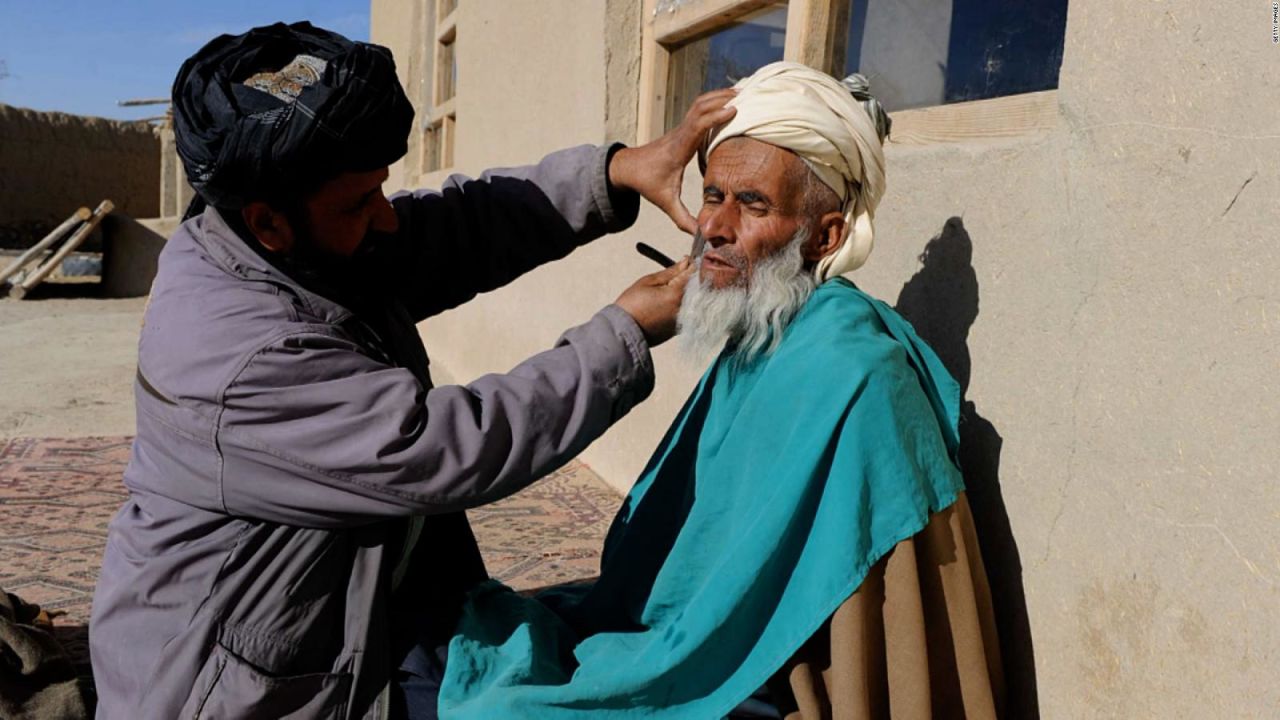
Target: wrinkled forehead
741	161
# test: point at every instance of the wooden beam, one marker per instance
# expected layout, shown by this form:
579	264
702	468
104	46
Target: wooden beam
20	290
443	110
76	218
978	120
144	101
686	22
654	60
815	33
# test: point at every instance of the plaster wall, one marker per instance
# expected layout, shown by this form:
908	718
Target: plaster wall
1106	293
52	163
397	24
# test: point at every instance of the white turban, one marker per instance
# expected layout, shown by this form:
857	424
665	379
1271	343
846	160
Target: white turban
813	115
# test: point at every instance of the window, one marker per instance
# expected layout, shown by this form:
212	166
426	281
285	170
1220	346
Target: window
442	121
724	57
919	53
433	147
927	60
446	69
438	147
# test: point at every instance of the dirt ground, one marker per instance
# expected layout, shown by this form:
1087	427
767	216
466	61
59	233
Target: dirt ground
67	364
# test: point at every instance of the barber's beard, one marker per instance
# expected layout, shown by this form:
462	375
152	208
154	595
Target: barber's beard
344	280
752	315
350	276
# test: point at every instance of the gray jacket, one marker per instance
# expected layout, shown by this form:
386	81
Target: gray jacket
296	486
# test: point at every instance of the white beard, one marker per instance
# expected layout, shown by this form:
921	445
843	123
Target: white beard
753	316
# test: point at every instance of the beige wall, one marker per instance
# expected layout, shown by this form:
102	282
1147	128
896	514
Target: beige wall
1109	290
175	192
493	56
52	163
398	24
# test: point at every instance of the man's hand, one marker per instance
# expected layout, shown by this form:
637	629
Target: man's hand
656	170
654	300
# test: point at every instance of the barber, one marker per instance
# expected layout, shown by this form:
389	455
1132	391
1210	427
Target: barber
294	542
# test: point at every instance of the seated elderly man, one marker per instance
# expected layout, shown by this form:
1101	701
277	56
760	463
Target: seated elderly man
801	532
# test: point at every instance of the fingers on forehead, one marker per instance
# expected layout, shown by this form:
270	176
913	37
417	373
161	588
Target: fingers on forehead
715	97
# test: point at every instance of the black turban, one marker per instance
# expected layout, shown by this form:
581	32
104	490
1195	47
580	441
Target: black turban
281	109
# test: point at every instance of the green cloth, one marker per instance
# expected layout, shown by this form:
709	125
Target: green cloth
775	490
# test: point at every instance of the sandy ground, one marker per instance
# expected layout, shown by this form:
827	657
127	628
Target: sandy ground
67	365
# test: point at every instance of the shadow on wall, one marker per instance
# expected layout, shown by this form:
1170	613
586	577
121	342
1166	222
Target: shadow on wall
941	301
131	253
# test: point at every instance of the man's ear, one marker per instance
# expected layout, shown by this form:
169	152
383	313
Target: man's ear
826	239
269	226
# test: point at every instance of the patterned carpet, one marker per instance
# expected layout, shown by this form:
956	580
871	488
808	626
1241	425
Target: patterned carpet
58	495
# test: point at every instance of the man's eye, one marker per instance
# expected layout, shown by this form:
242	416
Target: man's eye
758	208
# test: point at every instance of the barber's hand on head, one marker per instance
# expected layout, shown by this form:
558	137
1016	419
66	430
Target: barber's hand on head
654	300
656	170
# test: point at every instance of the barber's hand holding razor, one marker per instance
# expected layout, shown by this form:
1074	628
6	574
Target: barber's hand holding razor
654	300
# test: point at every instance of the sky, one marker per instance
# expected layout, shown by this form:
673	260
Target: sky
82	56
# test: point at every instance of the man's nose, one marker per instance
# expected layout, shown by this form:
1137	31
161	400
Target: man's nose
384	218
718	226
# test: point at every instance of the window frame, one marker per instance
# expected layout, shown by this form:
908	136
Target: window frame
439	127
811	38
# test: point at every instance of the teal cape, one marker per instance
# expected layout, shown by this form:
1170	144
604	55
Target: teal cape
775	490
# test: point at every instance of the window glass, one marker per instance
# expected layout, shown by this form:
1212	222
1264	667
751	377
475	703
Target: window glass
434	148
448	72
932	52
724	57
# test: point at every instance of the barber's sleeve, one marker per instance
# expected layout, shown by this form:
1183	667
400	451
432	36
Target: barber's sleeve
316	433
476	235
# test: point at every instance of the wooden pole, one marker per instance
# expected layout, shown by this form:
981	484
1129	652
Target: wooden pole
20	290
78	217
815	30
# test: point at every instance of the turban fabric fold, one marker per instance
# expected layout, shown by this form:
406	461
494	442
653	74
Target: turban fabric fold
836	128
283	108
